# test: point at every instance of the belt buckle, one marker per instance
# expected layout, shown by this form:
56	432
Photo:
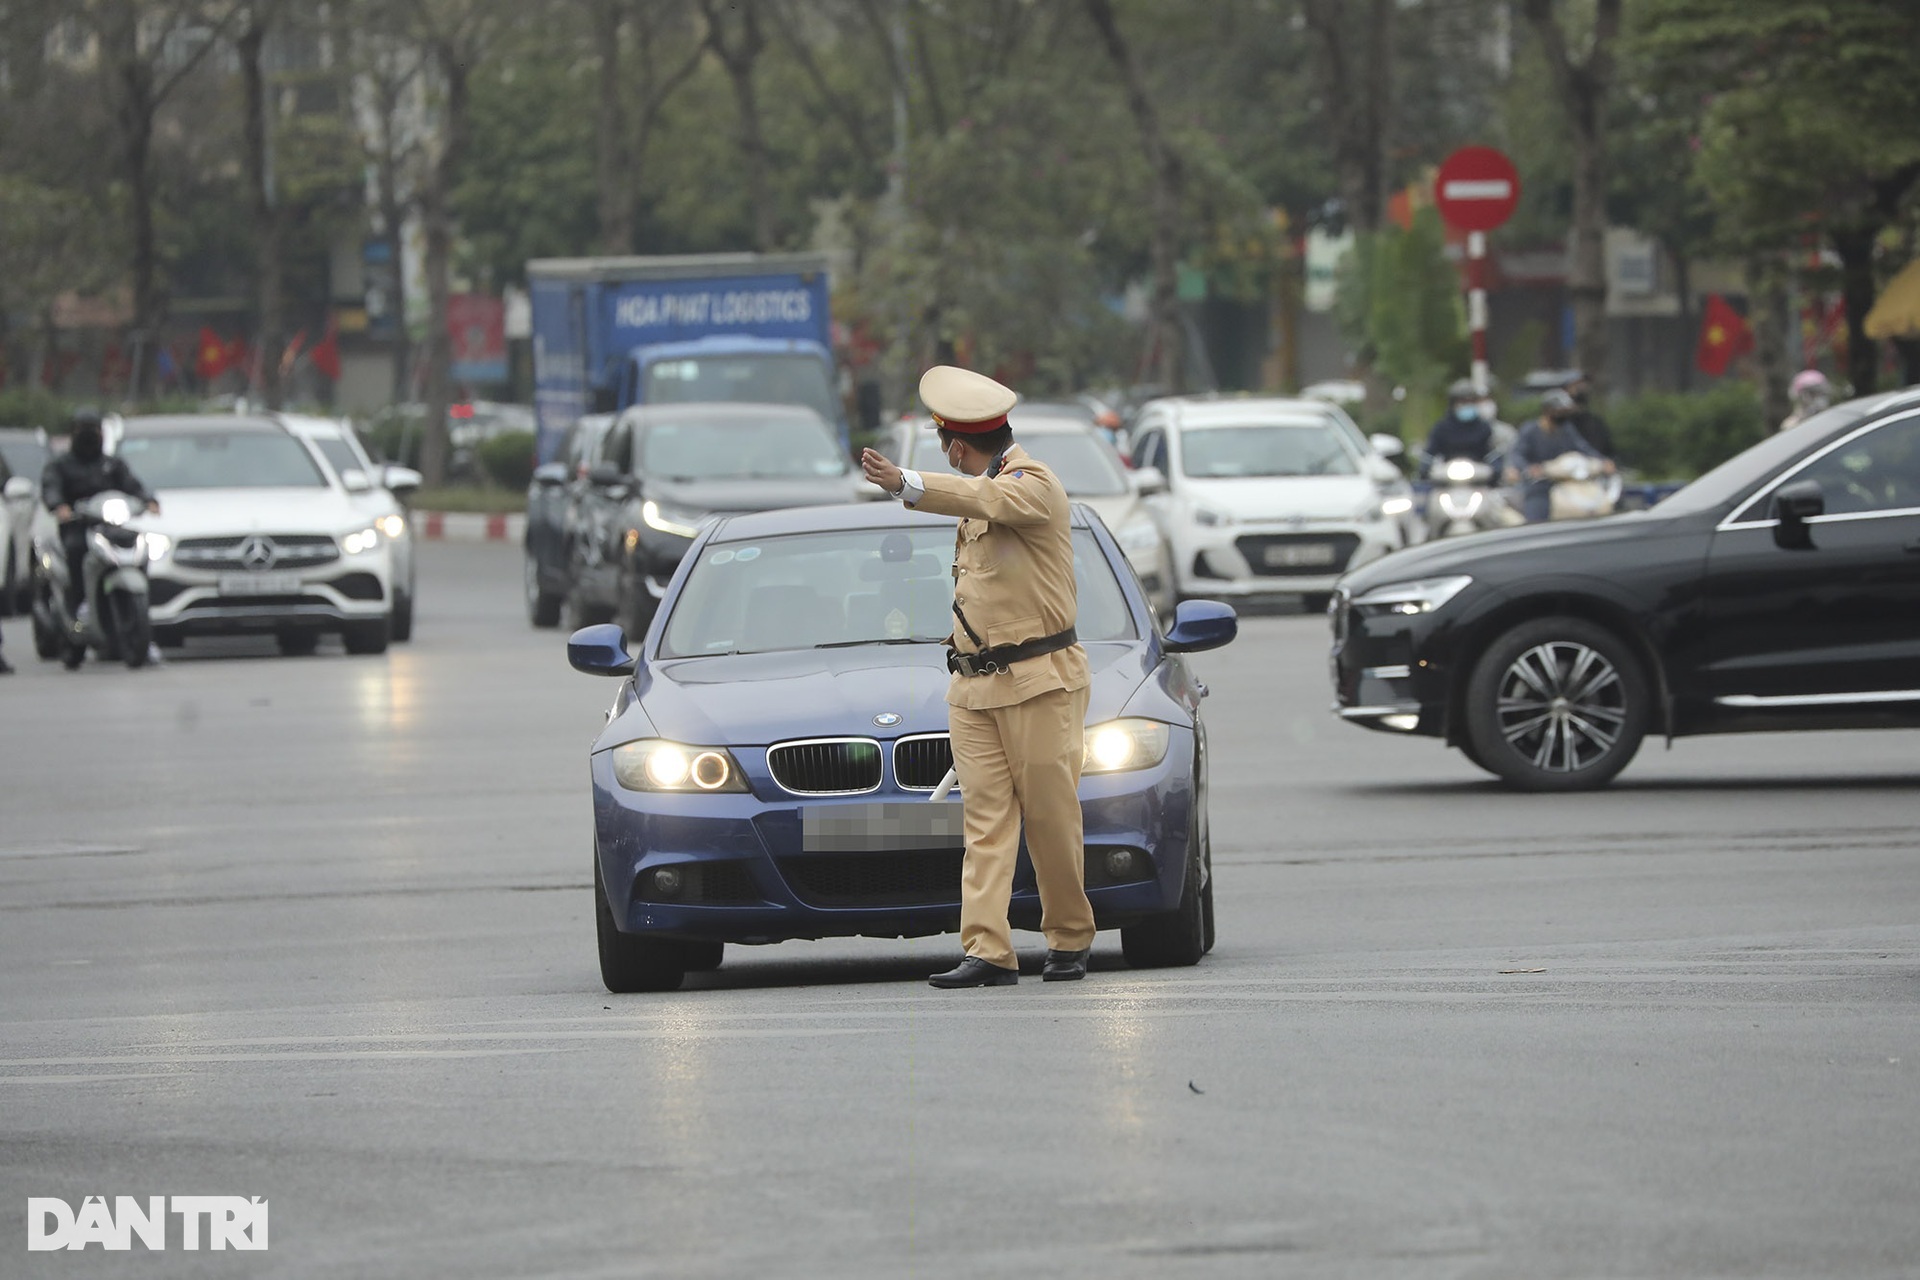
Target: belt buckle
963	663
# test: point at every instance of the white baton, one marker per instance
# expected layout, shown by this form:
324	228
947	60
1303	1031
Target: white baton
946	785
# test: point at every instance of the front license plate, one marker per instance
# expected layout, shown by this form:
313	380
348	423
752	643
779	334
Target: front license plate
882	827
1293	554
259	584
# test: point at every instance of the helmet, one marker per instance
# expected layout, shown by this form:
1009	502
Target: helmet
85	416
1808	380
1556	400
86	434
1463	389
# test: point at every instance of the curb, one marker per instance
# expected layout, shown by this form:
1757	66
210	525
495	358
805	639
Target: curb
461	526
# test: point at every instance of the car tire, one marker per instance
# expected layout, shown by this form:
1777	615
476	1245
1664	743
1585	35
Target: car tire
628	962
703	957
581	614
543	607
297	644
1588	704
1177	938
402	625
367	637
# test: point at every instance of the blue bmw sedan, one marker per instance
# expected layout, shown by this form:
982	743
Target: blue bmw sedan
772	765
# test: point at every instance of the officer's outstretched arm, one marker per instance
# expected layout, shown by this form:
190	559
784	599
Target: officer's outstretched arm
1011	500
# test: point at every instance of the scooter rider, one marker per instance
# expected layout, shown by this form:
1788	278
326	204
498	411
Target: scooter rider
1539	443
1464	432
84	470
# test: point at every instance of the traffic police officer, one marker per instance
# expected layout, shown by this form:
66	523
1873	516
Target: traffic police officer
1017	700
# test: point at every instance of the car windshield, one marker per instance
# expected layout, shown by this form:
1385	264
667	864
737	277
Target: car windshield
868	586
1744	470
1268	449
771	448
25	457
755	379
1086	467
221	460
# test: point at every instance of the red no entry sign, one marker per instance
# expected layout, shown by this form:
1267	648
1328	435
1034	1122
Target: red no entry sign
1476	189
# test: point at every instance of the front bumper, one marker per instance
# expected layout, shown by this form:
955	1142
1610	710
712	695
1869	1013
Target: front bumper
191	602
1385	673
747	877
1279	558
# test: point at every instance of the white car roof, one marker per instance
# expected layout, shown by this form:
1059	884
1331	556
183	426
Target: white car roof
308	425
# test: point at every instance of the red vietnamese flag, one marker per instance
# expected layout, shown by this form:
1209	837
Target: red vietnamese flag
210	355
326	353
1724	337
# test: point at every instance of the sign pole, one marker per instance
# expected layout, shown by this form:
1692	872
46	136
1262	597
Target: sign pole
1477	307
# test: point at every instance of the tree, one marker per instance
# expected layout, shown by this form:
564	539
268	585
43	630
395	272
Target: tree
1584	86
738	47
269	220
1356	71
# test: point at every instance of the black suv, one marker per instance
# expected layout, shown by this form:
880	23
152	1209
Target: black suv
1779	591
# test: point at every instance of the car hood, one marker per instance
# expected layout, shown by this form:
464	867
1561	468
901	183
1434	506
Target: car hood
725	496
753	699
1461	555
1262	498
190	513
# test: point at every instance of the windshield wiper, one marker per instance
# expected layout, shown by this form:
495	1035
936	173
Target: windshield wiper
848	644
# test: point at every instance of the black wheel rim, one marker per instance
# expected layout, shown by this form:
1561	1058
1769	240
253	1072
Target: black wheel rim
1562	706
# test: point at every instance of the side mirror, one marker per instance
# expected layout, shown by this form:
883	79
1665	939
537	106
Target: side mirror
605	475
354	480
1793	505
1148	481
19	488
600	651
1387	446
548	474
402	480
1201	624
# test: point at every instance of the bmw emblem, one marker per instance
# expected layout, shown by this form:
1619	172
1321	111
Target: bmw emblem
886	719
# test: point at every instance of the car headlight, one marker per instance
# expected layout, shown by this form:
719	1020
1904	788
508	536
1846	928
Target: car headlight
668	520
1209	518
360	540
654	764
391	525
1119	745
1138	537
158	544
1396	506
1422	596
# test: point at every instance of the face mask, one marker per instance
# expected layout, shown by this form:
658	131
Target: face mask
1466	412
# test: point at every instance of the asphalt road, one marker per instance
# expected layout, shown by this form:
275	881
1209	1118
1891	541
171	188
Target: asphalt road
319	930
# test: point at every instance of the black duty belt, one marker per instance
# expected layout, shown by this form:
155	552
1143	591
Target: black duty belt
1001	658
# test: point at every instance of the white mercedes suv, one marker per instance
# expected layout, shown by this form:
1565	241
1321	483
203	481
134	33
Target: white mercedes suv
255	536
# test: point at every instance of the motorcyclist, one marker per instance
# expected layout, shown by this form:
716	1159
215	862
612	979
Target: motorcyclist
1540	442
84	470
1811	393
1464	432
1592	427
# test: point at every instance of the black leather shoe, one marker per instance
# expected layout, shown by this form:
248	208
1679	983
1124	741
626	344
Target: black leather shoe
975	972
1066	966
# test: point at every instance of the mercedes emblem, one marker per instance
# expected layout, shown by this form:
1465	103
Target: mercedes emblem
258	552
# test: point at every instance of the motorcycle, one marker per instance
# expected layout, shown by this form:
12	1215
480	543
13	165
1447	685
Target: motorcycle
1464	499
1582	488
115	622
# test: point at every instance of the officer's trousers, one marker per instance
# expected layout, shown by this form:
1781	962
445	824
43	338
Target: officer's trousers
1022	760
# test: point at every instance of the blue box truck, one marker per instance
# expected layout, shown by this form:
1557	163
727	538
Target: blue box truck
613	332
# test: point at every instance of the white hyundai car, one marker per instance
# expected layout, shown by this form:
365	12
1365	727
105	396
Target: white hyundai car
1267	496
255	536
381	491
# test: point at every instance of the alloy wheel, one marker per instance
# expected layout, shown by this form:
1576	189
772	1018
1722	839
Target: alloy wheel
1562	706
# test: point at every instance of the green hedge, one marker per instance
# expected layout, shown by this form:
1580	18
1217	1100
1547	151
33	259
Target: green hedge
1678	435
507	459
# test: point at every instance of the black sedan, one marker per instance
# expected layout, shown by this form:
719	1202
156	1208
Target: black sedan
665	469
1779	591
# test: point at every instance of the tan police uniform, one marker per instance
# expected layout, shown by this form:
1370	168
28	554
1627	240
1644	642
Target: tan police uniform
1018	734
